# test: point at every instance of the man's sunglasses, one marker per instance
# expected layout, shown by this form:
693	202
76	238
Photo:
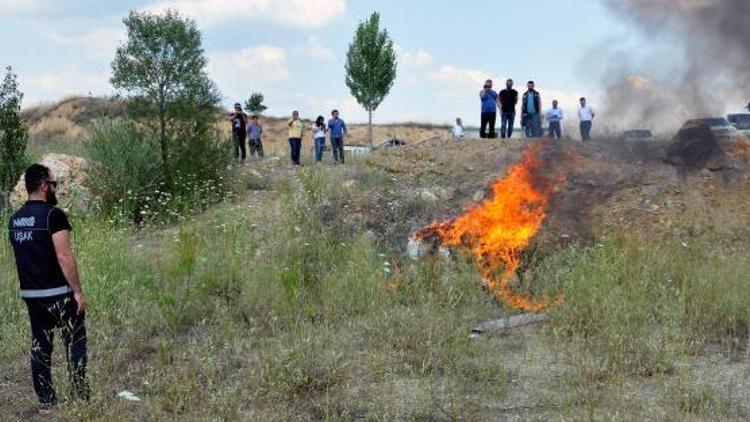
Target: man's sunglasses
52	183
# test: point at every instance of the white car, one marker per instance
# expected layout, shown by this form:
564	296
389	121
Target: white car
357	150
720	126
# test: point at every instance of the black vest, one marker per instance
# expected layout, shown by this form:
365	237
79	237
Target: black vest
38	269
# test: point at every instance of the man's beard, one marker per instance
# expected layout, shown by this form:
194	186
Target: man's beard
51	198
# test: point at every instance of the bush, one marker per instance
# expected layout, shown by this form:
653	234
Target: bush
129	165
131	182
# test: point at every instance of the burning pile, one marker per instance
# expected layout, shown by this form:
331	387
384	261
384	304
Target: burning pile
497	230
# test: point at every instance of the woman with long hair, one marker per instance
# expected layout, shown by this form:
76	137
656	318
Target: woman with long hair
319	133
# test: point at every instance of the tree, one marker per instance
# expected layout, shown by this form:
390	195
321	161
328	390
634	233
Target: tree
370	66
13	136
162	67
255	103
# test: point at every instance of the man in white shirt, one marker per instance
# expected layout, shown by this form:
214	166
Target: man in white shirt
554	117
586	115
458	129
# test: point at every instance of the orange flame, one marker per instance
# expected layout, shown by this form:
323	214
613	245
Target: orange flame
497	230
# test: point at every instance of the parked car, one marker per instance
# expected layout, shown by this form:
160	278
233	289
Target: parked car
741	122
739	118
719	126
357	150
391	143
638	135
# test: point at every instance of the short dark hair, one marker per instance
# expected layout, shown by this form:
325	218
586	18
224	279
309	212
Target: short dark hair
334	111
35	175
255	117
237	105
582	99
531	82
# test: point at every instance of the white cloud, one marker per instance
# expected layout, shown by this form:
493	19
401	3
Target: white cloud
98	43
23	6
314	49
461	77
62	82
295	13
254	68
418	58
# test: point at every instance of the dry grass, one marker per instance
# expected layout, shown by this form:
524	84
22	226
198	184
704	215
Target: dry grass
281	303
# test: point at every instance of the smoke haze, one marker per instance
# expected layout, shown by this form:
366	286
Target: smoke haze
708	69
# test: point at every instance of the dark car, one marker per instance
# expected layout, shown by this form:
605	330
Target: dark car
741	122
638	135
391	143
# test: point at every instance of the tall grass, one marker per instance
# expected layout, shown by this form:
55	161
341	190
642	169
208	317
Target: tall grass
269	315
641	305
132	185
278	313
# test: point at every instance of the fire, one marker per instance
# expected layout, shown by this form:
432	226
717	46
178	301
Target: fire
497	230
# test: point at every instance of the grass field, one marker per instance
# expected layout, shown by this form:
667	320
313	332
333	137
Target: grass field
263	309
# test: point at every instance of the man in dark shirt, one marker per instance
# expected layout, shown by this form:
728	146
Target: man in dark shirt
508	100
531	109
239	131
40	235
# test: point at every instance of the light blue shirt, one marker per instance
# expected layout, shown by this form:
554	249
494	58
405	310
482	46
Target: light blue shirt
554	115
530	105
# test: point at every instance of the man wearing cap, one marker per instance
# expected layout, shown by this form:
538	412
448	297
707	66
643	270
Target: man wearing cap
40	235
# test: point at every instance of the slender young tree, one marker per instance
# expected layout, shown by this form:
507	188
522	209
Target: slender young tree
162	67
254	104
370	66
13	136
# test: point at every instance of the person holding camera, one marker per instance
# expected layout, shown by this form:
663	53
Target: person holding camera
488	98
239	127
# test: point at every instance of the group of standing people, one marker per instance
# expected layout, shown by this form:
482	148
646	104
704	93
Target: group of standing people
335	128
244	131
531	113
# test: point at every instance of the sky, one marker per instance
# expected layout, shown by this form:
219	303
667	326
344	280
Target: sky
293	51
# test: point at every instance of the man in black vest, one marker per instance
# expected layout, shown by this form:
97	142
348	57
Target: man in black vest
47	271
239	131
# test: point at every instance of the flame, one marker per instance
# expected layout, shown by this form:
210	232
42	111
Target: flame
497	230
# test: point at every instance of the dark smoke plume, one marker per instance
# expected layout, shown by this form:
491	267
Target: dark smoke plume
708	69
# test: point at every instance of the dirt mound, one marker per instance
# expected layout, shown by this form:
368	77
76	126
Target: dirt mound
696	147
611	187
72	175
64	123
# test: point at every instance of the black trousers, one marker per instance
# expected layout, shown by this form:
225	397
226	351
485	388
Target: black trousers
239	144
46	315
488	118
295	144
337	145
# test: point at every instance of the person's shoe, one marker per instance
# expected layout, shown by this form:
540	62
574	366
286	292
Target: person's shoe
44	410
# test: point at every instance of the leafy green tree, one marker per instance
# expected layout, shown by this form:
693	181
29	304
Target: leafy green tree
13	136
370	66
162	68
255	103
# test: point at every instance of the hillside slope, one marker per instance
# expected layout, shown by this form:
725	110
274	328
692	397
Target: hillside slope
61	126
